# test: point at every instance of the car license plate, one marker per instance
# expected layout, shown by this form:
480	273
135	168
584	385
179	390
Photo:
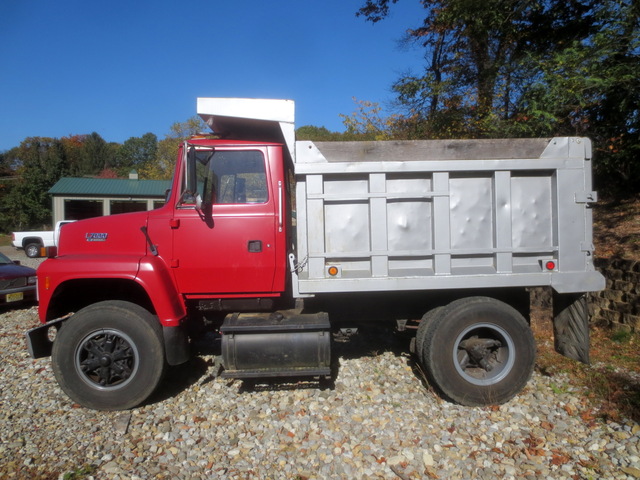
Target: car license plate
14	297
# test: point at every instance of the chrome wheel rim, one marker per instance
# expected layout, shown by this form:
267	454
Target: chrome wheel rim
495	362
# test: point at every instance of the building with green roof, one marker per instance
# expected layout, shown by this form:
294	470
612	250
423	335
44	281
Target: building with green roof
79	198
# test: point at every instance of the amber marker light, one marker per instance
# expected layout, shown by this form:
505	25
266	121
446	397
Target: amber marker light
333	271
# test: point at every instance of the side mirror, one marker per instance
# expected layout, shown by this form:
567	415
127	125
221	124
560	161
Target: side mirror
204	202
204	206
205	210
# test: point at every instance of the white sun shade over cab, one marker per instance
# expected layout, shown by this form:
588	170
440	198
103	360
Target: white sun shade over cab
261	119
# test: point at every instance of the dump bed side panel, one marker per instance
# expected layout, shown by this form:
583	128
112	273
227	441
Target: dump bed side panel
444	214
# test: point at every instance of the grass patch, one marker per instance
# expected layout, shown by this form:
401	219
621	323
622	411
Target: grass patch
80	473
608	383
622	336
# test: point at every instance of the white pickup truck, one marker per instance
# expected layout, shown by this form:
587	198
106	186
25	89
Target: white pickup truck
32	242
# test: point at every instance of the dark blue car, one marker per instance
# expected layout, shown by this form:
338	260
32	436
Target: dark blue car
17	282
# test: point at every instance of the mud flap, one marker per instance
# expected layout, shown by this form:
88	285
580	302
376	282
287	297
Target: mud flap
38	343
176	345
571	326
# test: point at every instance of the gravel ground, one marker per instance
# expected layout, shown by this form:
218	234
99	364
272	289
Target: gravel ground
378	420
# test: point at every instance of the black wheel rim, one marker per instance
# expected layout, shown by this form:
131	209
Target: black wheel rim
106	359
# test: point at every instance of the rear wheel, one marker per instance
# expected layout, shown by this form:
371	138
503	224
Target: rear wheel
478	351
427	318
109	356
32	250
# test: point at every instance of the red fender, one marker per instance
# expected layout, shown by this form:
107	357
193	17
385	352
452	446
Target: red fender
156	279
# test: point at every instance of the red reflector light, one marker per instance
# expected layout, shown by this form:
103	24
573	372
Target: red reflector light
550	265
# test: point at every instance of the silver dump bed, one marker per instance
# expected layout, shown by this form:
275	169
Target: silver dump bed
442	214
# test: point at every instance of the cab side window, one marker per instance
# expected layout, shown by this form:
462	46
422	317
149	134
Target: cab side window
226	177
239	177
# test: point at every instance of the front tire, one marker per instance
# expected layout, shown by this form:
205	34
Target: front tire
109	356
478	351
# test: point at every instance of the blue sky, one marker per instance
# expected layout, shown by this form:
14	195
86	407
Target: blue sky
125	68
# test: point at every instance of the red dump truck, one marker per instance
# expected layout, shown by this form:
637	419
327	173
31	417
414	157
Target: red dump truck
273	246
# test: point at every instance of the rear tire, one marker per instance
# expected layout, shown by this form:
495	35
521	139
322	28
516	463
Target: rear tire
426	321
109	356
32	250
478	351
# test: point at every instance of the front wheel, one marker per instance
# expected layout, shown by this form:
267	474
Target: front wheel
109	356
478	351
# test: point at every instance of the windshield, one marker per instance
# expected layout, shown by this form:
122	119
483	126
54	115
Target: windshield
5	260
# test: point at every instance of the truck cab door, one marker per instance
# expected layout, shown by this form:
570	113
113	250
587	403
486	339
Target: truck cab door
224	226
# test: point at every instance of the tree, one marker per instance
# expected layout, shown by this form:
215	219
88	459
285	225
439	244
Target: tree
526	68
164	164
96	155
367	123
73	146
591	87
595	88
42	163
190	127
136	152
474	69
317	134
8	179
7	162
